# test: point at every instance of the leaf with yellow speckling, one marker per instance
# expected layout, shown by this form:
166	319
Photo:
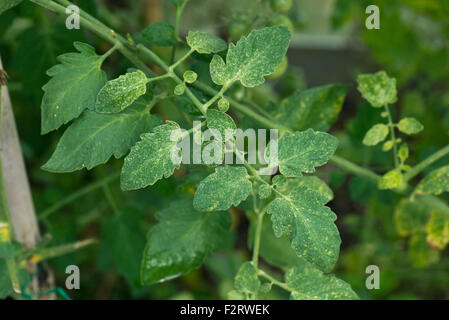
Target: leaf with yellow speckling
205	43
435	182
419	252
301	215
309	283
181	241
410	216
246	280
118	94
225	187
252	58
438	230
378	89
391	180
93	138
301	152
73	87
376	134
317	108
151	158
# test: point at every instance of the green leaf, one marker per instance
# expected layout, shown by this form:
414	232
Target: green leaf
308	283
436	182
391	180
206	43
378	89
5	283
376	134
8	4
302	216
410	126
120	93
438	230
317	108
93	138
302	151
246	280
252	58
419	252
410	217
227	187
73	87
126	241
403	152
150	159
181	240
160	34
310	182
220	121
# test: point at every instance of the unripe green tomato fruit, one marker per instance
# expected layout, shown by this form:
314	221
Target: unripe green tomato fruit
280	70
281	5
282	20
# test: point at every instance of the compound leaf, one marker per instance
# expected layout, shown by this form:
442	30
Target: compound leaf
309	283
120	93
93	138
376	134
225	187
252	58
436	182
316	108
378	89
73	87
301	152
302	216
150	159
206	43
410	126
181	240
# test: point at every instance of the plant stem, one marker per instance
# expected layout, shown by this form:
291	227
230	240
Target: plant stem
355	169
110	199
426	162
274	281
257	236
393	136
78	194
177	63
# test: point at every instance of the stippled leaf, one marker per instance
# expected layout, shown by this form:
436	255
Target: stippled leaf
252	58
310	182
302	151
301	215
436	182
159	34
206	43
226	187
391	180
93	138
309	283
8	4
410	217
246	280
378	89
220	121
150	159
410	126
181	241
419	252
73	87
376	134
438	230
316	108
120	93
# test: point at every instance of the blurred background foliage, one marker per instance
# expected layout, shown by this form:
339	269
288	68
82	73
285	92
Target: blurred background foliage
330	45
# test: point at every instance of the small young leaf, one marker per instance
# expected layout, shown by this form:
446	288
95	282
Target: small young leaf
376	134
150	159
308	283
279	181
246	280
436	182
410	126
388	145
223	105
378	89
190	76
252	58
419	252
120	93
302	151
160	34
438	230
219	191
317	108
179	89
181	240
391	180
302	216
93	138
410	217
73	87
264	191
206	43
403	152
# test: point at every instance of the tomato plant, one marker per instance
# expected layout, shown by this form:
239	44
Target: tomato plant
139	97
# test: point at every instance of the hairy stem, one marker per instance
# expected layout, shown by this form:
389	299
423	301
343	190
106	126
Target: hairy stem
426	162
